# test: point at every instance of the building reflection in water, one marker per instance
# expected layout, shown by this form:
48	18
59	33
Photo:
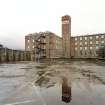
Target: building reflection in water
66	91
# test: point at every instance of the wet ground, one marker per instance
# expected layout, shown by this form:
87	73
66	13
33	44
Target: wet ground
61	83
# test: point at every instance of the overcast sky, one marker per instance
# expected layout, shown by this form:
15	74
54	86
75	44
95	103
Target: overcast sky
20	17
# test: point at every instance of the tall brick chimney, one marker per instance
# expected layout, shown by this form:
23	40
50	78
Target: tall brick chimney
66	35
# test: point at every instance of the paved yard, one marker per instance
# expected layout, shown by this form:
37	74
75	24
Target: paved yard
61	83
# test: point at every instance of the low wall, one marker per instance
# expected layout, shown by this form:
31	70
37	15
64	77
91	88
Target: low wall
9	55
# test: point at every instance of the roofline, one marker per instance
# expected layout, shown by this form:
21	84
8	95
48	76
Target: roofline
87	35
46	32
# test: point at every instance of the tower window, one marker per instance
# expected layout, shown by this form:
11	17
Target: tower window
65	22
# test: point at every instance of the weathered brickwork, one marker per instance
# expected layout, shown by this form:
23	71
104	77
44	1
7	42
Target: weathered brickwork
49	45
66	35
46	45
9	55
87	45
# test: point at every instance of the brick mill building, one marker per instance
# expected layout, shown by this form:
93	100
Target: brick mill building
49	45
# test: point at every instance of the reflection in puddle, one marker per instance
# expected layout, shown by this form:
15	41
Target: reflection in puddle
70	83
66	91
77	84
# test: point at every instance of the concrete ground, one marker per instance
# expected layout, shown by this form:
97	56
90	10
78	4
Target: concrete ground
60	83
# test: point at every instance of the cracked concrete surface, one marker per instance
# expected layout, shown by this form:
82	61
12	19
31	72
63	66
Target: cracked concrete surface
41	84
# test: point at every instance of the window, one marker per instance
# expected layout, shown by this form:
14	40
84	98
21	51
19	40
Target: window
28	47
90	42
97	37
85	48
80	48
102	42
75	48
85	43
38	39
76	43
102	36
97	47
33	41
91	37
28	40
85	38
80	43
97	42
65	22
90	48
80	38
75	38
33	46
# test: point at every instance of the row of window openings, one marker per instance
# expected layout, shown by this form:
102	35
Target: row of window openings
97	42
44	41
34	40
86	48
82	38
89	37
85	53
33	47
44	47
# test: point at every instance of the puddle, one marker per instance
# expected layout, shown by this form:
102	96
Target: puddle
63	83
